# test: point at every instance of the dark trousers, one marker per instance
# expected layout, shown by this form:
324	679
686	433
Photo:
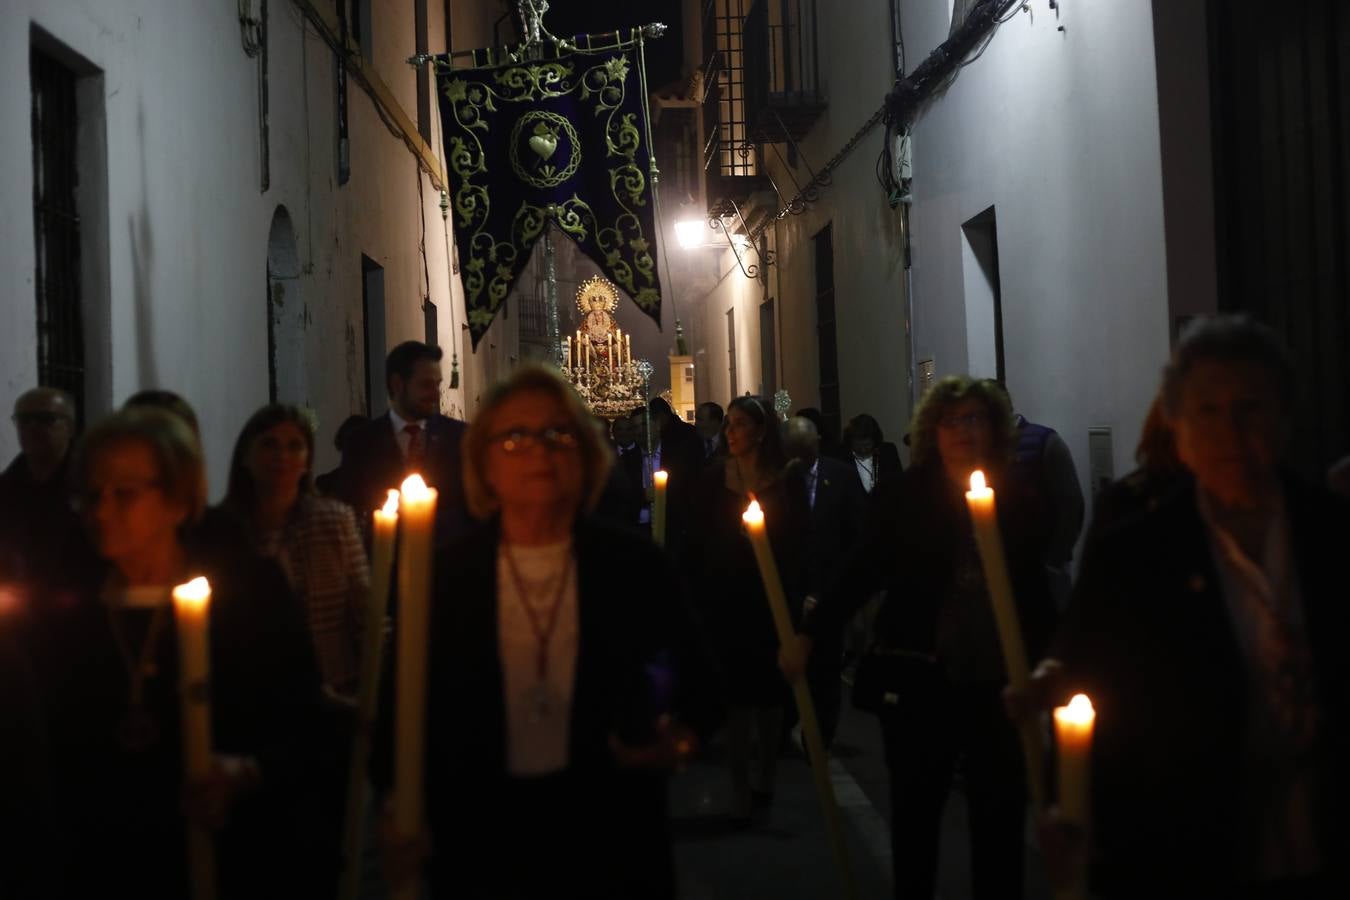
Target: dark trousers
924	737
823	676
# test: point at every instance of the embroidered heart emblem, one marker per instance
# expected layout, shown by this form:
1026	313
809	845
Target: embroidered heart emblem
545	145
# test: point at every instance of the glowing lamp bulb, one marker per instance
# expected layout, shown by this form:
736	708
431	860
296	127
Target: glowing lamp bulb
689	233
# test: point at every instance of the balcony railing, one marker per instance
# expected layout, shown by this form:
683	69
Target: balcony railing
782	70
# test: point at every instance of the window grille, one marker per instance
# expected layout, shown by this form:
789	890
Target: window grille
729	25
56	228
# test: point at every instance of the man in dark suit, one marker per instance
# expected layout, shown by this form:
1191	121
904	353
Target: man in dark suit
412	437
36	519
677	449
708	423
1208	628
837	505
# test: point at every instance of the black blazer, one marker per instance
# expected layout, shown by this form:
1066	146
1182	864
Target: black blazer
372	464
836	521
916	531
639	657
1148	638
266	703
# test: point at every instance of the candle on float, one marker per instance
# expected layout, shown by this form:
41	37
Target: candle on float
1073	743
377	604
609	350
755	528
567	352
984	518
417	511
659	479
192	610
628	348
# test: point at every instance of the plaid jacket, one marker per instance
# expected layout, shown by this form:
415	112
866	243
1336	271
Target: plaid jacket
320	551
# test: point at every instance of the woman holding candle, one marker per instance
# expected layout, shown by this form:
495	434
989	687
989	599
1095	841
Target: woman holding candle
314	539
724	578
1208	627
557	700
107	671
935	671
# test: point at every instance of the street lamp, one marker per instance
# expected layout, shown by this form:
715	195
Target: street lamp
691	233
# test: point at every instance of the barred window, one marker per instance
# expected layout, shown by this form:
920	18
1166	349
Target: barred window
56	228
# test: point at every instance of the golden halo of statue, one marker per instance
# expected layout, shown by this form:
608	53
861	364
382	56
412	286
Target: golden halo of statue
597	293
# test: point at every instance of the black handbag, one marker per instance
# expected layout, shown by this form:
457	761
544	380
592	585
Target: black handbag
885	677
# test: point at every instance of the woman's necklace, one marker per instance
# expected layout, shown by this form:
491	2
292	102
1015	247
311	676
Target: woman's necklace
541	698
138	730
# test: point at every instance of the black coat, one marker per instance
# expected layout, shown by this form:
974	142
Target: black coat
836	522
917	530
372	464
1148	637
725	584
120	815
638	657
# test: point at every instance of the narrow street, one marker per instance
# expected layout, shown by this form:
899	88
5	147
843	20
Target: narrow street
788	856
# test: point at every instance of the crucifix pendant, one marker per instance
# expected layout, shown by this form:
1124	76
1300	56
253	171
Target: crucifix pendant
540	704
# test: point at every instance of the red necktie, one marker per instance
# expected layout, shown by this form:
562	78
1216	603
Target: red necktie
416	446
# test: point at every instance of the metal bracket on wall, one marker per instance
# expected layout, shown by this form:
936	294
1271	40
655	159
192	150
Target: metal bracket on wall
766	257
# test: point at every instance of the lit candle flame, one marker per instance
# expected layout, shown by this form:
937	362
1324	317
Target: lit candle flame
196	593
753	515
1078	712
391	504
977	482
415	489
660	476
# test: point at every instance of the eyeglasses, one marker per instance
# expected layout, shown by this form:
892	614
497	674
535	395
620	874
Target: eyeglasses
552	439
123	495
970	420
45	419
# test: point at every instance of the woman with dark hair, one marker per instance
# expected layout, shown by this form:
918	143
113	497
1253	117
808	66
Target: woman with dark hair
877	460
314	539
107	670
725	583
564	680
935	671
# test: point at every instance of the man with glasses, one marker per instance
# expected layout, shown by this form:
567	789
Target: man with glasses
34	513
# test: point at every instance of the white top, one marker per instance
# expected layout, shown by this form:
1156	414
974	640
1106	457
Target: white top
537	738
867	471
402	436
1265	607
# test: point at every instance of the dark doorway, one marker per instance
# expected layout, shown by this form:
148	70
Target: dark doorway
984	301
372	314
1281	103
768	356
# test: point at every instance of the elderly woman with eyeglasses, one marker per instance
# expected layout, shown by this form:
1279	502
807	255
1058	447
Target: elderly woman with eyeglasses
935	672
106	662
565	680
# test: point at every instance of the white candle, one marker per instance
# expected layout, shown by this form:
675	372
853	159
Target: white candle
377	604
753	519
984	518
417	511
1073	740
659	479
192	609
